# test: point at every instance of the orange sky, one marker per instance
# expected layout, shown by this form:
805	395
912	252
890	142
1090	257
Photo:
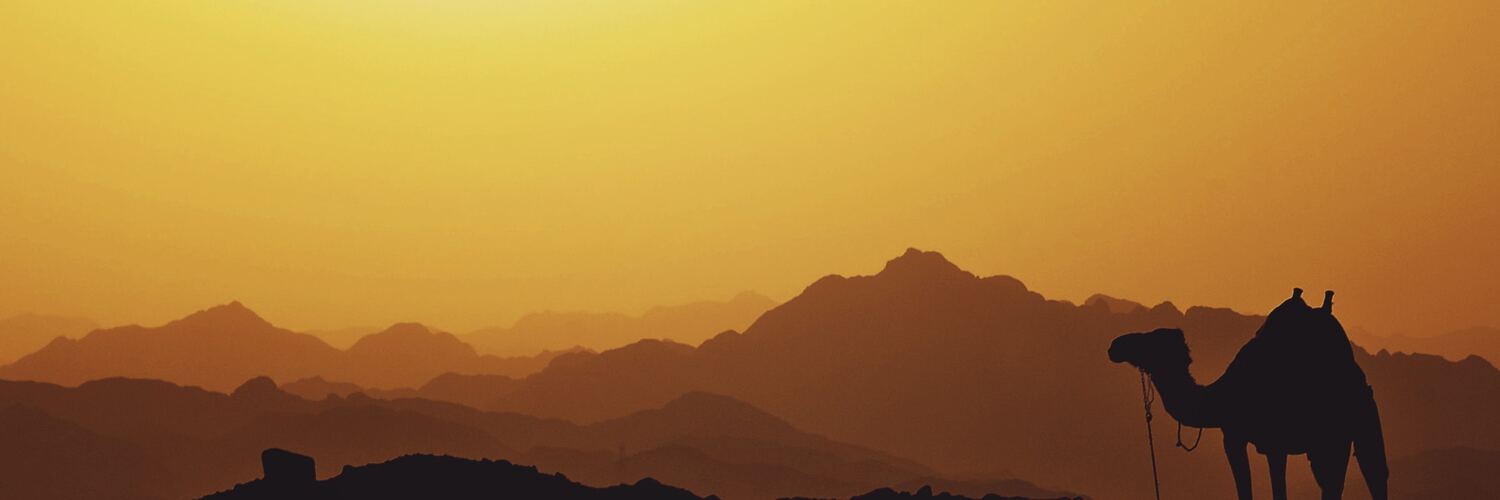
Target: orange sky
462	162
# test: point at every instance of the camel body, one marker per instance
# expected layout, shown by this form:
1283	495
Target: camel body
1292	389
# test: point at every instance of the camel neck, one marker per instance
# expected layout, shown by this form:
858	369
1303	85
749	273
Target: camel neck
1183	398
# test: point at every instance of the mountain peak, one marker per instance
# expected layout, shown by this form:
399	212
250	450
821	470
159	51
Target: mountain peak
407	330
752	297
254	387
412	337
1114	304
233	313
918	263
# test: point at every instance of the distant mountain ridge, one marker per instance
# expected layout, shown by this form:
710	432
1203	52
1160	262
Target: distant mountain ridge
224	345
25	333
687	323
209	440
475	391
1115	305
1456	345
978	376
862	358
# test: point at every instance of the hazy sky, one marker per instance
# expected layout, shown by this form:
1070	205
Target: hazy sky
462	162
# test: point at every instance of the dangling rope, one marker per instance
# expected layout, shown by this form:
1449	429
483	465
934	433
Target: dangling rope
1195	440
1148	396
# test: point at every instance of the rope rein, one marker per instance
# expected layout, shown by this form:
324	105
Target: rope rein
1197	440
1148	397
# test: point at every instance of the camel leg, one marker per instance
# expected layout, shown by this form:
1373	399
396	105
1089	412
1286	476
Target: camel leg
1239	464
1369	449
1329	465
1277	463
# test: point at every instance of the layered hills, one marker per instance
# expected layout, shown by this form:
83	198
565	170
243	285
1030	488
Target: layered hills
553	331
1456	345
977	378
191	442
25	333
220	347
427	476
980	374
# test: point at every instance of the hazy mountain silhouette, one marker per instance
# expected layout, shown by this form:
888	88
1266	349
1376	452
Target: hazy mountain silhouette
968	374
1115	305
410	354
316	388
437	477
978	377
224	345
478	391
1478	341
217	348
25	333
44	457
343	338
1431	475
208	440
554	331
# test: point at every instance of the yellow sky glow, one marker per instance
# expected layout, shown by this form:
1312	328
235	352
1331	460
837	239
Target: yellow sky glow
332	163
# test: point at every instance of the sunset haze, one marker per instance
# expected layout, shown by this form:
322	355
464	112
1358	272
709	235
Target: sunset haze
337	163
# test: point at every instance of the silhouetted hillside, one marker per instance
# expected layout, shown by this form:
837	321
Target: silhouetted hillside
1478	341
478	391
1440	474
42	456
928	492
25	333
343	338
709	443
1115	305
436	477
224	345
409	355
208	440
687	323
217	348
981	375
316	388
978	377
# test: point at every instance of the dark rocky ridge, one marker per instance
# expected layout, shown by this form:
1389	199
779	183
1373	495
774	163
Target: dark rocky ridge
288	476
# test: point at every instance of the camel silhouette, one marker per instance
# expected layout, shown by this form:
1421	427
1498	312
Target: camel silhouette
1294	388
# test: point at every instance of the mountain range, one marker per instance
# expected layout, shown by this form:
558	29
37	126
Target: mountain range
975	378
25	333
1456	345
981	375
185	441
220	347
554	331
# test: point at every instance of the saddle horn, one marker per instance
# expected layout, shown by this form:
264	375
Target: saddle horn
1328	301
1296	293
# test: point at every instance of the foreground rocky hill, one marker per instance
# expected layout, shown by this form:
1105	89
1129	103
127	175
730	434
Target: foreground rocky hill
290	476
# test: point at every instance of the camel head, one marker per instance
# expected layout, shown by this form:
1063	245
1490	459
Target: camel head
1151	351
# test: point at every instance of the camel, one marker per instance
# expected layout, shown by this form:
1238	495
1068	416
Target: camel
1292	389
